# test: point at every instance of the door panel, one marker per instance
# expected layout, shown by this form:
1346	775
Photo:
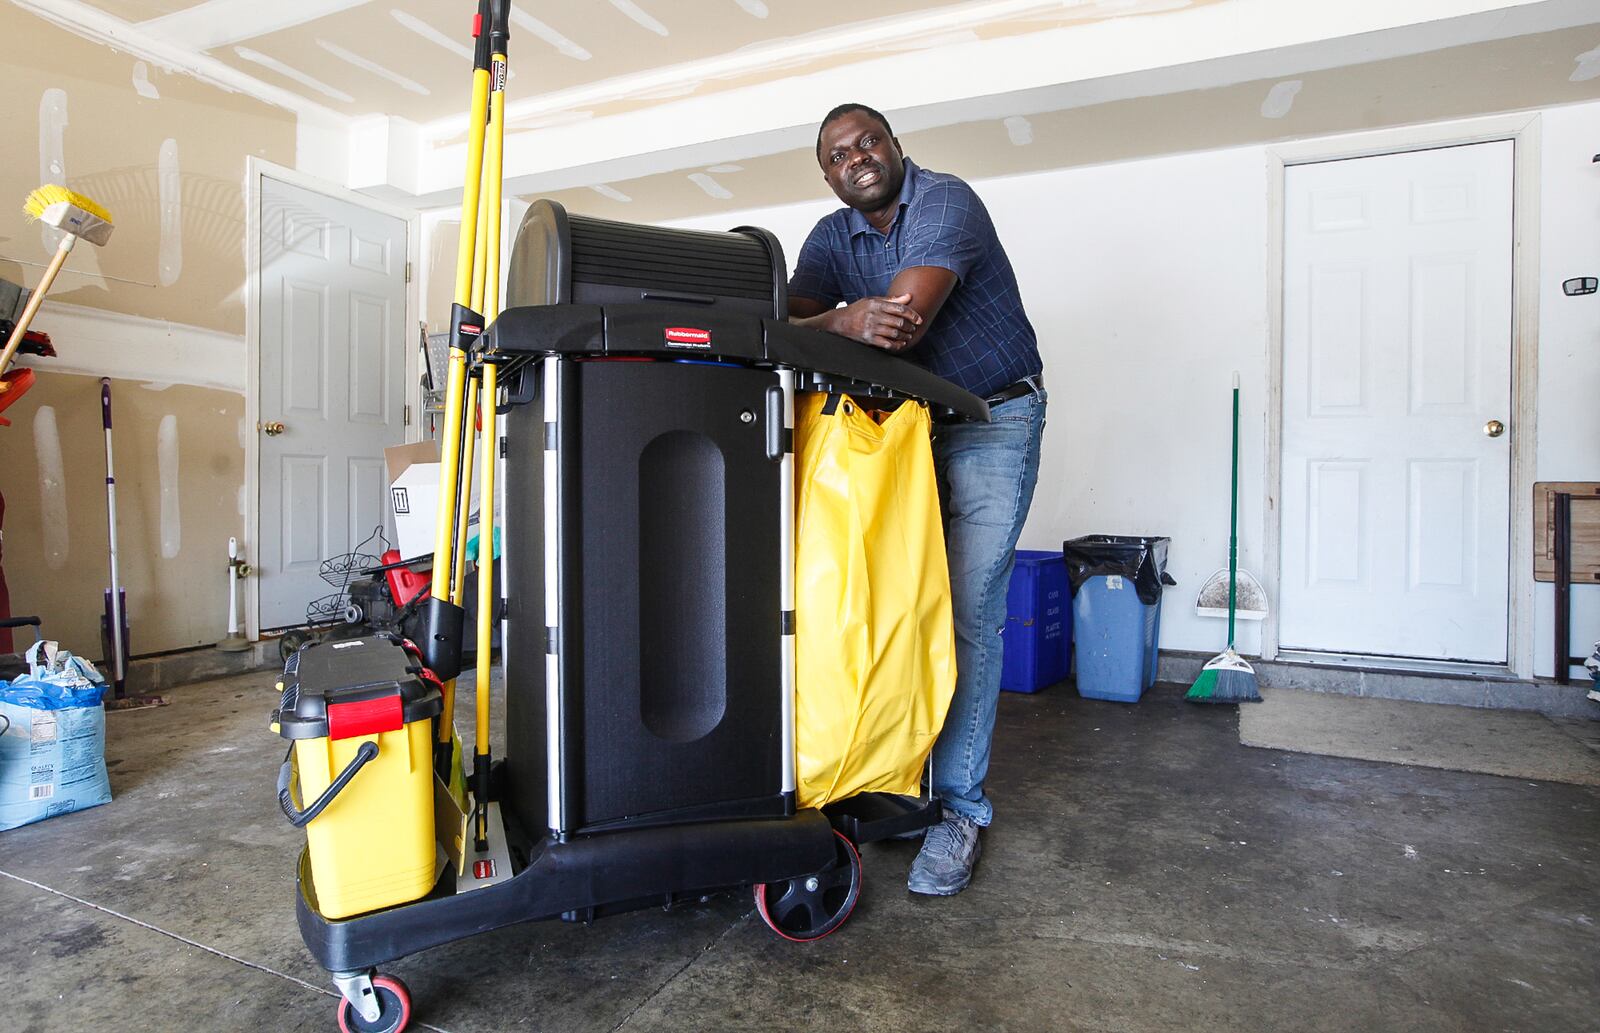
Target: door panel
332	362
1397	351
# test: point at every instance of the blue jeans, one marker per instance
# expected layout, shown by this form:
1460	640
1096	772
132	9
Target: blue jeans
986	473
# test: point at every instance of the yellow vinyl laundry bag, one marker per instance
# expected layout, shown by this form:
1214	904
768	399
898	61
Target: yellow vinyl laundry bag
875	660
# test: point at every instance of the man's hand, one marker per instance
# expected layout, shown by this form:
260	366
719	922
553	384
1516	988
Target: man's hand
887	323
895	323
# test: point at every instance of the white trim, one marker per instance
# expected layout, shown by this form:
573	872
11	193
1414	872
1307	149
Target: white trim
216	23
138	348
1522	129
257	169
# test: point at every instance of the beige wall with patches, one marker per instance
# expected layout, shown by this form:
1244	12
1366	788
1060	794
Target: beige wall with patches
111	145
173	524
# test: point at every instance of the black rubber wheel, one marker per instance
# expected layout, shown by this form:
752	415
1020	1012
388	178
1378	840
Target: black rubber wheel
812	906
394	998
290	642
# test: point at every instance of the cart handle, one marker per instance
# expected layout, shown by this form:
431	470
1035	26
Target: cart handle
300	819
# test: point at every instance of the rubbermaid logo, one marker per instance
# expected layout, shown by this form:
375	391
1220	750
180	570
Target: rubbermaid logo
687	337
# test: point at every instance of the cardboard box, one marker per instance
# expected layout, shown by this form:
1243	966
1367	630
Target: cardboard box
414	495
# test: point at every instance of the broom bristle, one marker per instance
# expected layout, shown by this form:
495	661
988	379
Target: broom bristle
1203	687
53	193
1226	678
1236	686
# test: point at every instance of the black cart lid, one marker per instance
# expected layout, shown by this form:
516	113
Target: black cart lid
360	686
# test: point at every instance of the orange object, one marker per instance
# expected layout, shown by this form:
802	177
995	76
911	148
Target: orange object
13	386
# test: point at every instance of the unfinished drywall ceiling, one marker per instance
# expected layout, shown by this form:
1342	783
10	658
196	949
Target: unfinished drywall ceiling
406	57
1504	75
164	153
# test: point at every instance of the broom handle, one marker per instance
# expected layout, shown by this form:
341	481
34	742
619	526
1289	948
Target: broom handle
36	299
1233	516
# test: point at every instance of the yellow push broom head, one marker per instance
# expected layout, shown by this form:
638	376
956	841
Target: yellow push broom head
69	212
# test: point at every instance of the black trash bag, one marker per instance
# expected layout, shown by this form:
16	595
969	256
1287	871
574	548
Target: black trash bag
1144	560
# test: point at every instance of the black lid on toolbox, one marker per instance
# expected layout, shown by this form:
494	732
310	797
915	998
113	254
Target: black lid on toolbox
356	677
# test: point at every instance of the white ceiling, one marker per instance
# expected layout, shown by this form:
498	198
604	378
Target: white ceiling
644	97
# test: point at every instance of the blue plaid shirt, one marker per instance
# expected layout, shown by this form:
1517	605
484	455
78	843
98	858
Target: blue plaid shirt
981	338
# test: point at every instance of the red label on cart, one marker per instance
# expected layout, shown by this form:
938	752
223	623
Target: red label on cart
687	337
483	869
366	717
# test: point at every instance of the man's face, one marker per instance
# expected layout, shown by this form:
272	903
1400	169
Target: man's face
861	161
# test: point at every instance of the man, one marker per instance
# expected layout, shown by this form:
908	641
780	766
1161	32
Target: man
916	261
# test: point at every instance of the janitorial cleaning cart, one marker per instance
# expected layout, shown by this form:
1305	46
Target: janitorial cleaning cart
646	382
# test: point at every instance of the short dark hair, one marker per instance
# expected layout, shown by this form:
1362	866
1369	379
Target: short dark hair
843	110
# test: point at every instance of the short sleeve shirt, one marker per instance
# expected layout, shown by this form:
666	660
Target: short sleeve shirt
981	338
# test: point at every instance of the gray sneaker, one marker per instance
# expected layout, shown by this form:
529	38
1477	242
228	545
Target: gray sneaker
949	851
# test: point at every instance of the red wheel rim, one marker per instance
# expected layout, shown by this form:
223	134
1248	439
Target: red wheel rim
850	905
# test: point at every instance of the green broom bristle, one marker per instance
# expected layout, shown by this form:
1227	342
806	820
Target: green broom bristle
1203	687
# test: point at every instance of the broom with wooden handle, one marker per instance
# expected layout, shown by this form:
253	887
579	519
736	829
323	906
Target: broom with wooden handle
76	217
1228	677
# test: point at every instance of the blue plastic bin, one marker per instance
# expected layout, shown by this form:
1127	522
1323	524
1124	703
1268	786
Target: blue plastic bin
1115	636
1038	630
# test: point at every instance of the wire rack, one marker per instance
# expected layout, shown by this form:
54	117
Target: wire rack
338	571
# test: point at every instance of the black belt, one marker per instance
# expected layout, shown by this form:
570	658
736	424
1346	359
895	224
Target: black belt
1026	386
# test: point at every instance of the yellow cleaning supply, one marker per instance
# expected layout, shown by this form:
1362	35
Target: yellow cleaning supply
359	714
875	660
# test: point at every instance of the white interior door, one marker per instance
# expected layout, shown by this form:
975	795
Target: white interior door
1397	355
333	351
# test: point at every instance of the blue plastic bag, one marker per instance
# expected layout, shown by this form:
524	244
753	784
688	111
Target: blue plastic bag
52	738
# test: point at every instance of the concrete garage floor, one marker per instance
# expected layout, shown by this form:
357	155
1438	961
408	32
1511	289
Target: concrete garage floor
1146	872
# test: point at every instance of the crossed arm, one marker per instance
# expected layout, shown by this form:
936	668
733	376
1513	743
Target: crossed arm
895	322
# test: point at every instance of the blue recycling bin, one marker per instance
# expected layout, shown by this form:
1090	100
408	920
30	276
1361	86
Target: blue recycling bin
1038	628
1116	613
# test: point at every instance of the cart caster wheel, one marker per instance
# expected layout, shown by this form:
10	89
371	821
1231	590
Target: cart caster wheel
394	998
810	907
290	642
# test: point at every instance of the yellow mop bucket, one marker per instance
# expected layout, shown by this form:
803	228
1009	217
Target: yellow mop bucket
359	717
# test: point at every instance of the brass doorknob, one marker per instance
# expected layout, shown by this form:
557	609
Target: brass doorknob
1494	428
273	428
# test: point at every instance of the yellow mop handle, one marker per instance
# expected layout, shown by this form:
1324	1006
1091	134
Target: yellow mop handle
450	445
489	399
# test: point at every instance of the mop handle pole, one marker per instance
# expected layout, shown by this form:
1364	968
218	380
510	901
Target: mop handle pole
1233	516
111	521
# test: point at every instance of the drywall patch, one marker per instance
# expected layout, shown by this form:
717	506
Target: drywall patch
255	57
545	32
431	34
1019	129
610	192
52	151
710	186
1281	98
754	8
725	169
357	61
640	15
169	188
142	84
52	136
1588	66
52	487
167	471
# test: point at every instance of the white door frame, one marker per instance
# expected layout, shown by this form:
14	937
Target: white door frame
1523	132
256	170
